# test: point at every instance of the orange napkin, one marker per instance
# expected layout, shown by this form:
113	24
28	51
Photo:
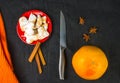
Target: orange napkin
6	68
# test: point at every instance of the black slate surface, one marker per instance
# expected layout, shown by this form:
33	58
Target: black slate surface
105	14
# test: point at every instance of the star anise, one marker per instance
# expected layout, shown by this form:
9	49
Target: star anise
86	37
93	30
81	21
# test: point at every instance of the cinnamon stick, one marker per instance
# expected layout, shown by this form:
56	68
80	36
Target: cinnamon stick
38	63
34	52
41	56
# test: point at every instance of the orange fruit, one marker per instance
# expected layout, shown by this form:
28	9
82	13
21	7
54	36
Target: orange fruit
89	62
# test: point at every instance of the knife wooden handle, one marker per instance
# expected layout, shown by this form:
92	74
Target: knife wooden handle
61	63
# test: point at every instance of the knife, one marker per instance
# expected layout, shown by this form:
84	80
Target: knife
62	46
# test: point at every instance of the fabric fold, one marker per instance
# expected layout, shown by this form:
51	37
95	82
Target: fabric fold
6	68
4	42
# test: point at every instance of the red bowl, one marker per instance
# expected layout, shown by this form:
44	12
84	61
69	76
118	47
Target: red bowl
27	14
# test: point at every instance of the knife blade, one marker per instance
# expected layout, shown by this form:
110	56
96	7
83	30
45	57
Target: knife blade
62	46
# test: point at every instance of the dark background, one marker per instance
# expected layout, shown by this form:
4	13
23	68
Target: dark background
105	14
